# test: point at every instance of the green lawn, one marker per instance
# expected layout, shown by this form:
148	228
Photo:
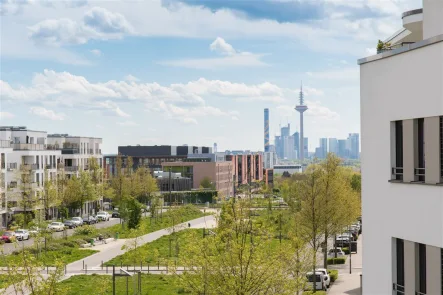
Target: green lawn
164	220
150	253
98	285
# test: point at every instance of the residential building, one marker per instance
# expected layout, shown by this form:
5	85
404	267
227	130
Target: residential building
268	175
401	161
333	146
220	173
5	149
247	167
28	165
269	160
152	157
76	151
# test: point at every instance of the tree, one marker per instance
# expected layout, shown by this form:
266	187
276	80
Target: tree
79	190
148	185
206	182
27	191
96	173
61	184
50	197
135	213
236	258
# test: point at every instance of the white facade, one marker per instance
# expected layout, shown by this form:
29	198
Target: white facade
403	208
269	160
5	150
291	169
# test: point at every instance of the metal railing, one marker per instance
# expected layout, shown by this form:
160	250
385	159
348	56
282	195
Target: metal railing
71	168
396	46
419	171
91	151
398	289
5	143
397	173
28	146
30	166
419	293
49	166
11	166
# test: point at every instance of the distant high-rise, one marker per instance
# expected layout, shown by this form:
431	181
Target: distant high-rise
301	108
342	150
284	144
296	136
285	131
353	144
305	146
266	130
333	145
215	147
323	147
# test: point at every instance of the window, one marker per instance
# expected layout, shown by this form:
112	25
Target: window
397	170
420	170
422	268
400	266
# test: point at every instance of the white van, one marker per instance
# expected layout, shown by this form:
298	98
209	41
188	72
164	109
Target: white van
320	281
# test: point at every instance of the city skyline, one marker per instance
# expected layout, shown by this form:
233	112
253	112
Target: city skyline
107	69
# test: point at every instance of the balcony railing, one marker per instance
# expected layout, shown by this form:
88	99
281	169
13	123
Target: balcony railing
397	173
30	166
28	146
49	166
70	151
398	289
71	168
91	151
5	143
393	47
11	166
419	171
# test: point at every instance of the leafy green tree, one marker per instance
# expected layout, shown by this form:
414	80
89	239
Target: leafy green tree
135	213
206	182
147	185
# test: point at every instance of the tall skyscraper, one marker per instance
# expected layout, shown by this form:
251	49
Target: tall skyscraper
296	136
285	131
266	131
333	146
301	108
353	143
342	150
323	147
284	144
305	146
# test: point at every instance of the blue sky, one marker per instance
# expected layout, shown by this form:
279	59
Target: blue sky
187	72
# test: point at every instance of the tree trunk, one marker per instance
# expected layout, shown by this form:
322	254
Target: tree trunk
325	250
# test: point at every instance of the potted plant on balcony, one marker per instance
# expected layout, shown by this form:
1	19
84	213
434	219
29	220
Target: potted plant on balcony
382	46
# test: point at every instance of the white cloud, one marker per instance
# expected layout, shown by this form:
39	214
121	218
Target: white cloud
96	52
47	114
131	78
231	58
12	6
6	115
315	109
371	51
97	24
127	123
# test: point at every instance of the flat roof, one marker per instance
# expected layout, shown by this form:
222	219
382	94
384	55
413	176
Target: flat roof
71	136
403	49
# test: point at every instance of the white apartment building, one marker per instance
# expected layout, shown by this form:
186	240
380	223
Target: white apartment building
402	158
5	149
76	151
27	152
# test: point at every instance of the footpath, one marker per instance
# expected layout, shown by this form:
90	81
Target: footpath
114	249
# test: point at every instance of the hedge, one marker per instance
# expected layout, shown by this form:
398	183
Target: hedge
316	293
338	260
346	250
192	197
333	274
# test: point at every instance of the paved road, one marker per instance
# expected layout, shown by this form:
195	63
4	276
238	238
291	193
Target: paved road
9	248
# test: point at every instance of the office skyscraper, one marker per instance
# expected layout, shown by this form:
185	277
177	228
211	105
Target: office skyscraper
301	108
323	147
342	150
333	146
284	144
296	136
353	143
305	146
266	130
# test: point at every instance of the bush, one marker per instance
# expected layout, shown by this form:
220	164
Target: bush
333	274
346	250
80	242
312	293
85	230
70	244
338	260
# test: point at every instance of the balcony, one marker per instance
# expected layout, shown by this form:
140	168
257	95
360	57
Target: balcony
91	151
70	151
71	168
393	47
11	166
5	144
28	147
49	166
32	167
419	174
397	173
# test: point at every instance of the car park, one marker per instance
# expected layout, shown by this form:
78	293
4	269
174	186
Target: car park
77	220
115	214
342	241
327	279
103	216
70	224
22	234
89	220
8	236
319	281
56	226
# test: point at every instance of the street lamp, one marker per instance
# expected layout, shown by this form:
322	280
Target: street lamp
350	250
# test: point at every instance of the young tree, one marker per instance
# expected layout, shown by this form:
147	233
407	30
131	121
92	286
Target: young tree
50	197
148	185
27	192
79	190
236	258
96	173
206	182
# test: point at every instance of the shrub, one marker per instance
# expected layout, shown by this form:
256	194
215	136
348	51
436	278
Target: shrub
85	230
346	250
312	293
338	260
333	274
70	244
80	242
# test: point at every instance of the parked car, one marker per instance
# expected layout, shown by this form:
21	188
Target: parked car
103	216
22	234
77	220
338	250
325	273
319	281
115	214
342	241
89	220
8	236
70	224
56	226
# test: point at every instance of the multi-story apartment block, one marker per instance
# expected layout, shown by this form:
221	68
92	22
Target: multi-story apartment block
76	151
248	167
5	149
30	156
402	154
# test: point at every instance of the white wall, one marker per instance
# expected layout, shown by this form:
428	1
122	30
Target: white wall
432	18
403	86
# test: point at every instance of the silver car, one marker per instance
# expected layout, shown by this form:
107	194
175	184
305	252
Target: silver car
77	220
22	234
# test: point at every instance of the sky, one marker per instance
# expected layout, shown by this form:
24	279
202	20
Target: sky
154	72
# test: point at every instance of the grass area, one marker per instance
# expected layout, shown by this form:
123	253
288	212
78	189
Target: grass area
163	220
151	253
96	284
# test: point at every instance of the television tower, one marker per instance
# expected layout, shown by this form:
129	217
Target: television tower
301	108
